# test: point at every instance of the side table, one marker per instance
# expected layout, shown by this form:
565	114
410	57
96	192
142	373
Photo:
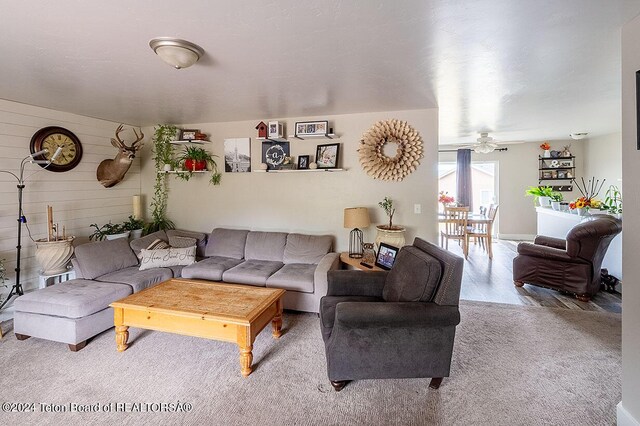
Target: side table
43	280
344	258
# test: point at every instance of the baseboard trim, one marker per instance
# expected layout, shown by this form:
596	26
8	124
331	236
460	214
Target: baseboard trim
624	418
516	237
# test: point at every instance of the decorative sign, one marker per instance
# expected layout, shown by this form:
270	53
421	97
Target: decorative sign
274	153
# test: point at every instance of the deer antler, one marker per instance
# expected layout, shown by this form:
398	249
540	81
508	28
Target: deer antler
119	141
135	145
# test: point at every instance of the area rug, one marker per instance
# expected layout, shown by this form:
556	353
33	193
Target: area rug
511	365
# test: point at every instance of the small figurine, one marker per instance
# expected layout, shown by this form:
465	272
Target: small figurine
566	151
262	130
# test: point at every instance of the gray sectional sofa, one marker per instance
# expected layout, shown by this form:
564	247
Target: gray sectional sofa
73	311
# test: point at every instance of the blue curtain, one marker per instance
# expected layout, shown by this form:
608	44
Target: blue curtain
463	179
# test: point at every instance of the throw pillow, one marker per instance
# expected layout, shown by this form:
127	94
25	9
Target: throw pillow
157	244
164	258
181	242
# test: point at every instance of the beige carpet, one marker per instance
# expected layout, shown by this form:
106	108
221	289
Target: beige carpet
512	365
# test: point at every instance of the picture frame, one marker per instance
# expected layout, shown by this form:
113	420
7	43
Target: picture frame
237	155
546	175
275	129
638	110
303	162
328	156
312	128
274	153
386	256
188	134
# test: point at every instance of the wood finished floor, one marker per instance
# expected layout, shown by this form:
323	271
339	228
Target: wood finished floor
492	281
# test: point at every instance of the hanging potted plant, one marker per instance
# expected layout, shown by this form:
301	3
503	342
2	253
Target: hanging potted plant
163	155
197	159
390	234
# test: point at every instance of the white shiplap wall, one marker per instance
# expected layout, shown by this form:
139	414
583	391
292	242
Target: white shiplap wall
77	197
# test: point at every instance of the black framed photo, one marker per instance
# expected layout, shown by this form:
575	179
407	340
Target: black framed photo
274	153
638	110
386	256
303	162
327	156
188	134
311	128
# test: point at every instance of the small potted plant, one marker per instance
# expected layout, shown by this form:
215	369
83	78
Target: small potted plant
613	201
196	159
134	226
110	231
546	147
541	193
390	234
556	198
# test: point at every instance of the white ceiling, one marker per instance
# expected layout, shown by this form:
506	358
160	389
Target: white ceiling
523	70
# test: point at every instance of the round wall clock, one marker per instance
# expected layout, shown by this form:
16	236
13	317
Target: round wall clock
50	138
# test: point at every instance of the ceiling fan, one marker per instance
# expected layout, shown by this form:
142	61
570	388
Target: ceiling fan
485	145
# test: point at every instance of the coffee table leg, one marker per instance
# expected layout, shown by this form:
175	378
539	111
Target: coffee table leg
276	322
122	333
246	358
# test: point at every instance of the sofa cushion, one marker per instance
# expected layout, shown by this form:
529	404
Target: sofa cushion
144	242
167	257
201	239
102	257
176	241
293	276
137	279
226	243
210	268
414	277
72	299
306	248
265	246
254	272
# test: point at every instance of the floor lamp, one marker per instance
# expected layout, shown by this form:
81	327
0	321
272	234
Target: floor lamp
356	218
16	290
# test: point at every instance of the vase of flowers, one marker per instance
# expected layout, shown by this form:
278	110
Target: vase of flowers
545	148
445	199
589	191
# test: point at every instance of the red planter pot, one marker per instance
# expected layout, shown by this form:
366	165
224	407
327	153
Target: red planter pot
195	165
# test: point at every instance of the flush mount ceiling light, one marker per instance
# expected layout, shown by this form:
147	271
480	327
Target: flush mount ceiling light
579	135
176	52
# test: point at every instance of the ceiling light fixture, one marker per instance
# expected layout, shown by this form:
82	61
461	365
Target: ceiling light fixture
578	136
176	52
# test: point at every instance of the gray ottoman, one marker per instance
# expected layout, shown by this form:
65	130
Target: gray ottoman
70	312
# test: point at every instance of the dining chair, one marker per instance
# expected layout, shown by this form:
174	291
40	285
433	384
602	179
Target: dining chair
482	231
455	227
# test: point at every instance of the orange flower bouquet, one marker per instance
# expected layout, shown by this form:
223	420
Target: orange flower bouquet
545	146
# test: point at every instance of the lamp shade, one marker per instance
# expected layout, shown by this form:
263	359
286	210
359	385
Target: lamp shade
356	217
176	52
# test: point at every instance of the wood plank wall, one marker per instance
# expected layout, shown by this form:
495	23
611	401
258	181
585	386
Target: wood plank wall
77	197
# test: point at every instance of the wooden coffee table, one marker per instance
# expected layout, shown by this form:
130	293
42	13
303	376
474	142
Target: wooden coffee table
227	312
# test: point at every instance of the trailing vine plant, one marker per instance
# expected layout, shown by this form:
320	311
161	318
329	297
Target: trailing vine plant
163	154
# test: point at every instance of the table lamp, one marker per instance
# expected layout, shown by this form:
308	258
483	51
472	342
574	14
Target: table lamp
356	218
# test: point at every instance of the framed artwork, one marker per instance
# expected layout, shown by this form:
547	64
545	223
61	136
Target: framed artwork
386	256
327	156
237	155
310	128
188	134
275	129
303	162
274	153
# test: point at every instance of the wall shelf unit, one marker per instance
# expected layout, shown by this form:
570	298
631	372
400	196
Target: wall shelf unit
325	136
193	141
272	139
177	172
300	171
557	169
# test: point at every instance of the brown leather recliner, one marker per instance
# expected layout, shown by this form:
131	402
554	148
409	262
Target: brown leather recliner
571	265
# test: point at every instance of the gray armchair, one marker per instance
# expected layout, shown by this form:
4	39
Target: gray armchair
396	324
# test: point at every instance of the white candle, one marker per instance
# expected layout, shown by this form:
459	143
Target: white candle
137	206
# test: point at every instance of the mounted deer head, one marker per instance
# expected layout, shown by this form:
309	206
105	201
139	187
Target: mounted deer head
111	172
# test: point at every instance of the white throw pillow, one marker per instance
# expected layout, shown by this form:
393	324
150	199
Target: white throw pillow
167	257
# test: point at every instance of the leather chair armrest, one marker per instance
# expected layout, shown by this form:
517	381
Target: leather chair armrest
395	314
528	249
356	283
543	240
